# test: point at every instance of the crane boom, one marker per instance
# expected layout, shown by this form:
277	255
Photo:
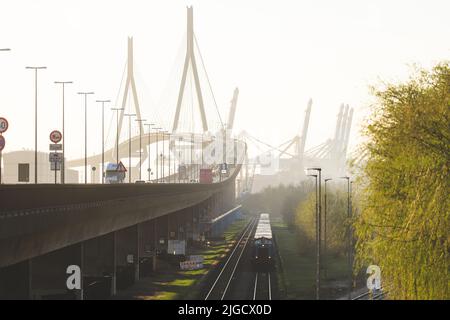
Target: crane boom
232	113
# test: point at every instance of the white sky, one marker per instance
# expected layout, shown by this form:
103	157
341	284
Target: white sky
279	53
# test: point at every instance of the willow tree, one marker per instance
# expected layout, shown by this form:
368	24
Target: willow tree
404	222
305	221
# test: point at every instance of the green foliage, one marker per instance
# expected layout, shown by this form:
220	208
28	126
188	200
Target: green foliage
336	221
404	222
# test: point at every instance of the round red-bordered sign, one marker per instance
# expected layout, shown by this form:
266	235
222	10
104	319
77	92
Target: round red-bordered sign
55	136
2	142
3	125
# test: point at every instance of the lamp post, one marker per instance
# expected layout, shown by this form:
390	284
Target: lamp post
140	147
163	154
165	132
2	49
325	227
349	237
168	152
63	167
157	154
173	143
85	133
117	132
318	230
129	115
149	125
179	158
35	118
317	260
103	138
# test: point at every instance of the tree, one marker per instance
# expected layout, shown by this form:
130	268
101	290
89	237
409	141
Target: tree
305	221
404	222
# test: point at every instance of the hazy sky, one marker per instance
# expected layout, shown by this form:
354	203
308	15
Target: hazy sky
279	53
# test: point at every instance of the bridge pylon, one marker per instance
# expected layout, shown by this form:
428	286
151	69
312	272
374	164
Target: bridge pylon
190	60
130	82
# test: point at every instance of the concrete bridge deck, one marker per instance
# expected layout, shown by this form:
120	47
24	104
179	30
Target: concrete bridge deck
37	219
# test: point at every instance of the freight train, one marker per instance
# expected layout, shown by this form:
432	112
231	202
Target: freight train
263	244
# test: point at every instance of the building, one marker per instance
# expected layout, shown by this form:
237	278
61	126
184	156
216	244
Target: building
18	167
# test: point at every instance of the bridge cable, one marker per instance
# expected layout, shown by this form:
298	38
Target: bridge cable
207	78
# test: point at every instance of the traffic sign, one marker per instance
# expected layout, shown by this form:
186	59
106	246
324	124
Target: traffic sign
55	136
55	147
55	157
55	166
3	125
2	142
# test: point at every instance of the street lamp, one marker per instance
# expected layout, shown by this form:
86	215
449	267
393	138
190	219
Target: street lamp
85	133
325	226
192	177
317	260
140	146
349	236
117	132
129	115
2	49
318	229
103	137
157	154
149	125
35	118
179	158
163	155
63	167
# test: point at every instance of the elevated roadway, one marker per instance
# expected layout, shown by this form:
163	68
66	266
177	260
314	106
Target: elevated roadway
37	219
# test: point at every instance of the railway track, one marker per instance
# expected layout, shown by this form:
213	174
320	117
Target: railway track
369	295
221	284
262	289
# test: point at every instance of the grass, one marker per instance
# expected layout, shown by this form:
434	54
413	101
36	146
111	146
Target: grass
297	270
170	283
296	273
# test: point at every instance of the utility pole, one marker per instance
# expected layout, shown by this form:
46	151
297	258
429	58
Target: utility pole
2	49
192	162
103	137
163	155
117	132
325	228
179	158
318	231
149	125
129	115
63	164
35	119
140	121
157	154
168	151
349	238
85	133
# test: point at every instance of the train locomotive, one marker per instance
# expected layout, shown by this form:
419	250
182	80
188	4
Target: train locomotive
262	257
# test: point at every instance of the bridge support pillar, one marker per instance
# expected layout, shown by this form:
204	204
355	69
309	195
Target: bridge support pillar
127	258
98	267
48	274
147	247
16	281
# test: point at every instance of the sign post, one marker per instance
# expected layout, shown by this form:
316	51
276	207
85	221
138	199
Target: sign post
3	127
55	157
2	146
